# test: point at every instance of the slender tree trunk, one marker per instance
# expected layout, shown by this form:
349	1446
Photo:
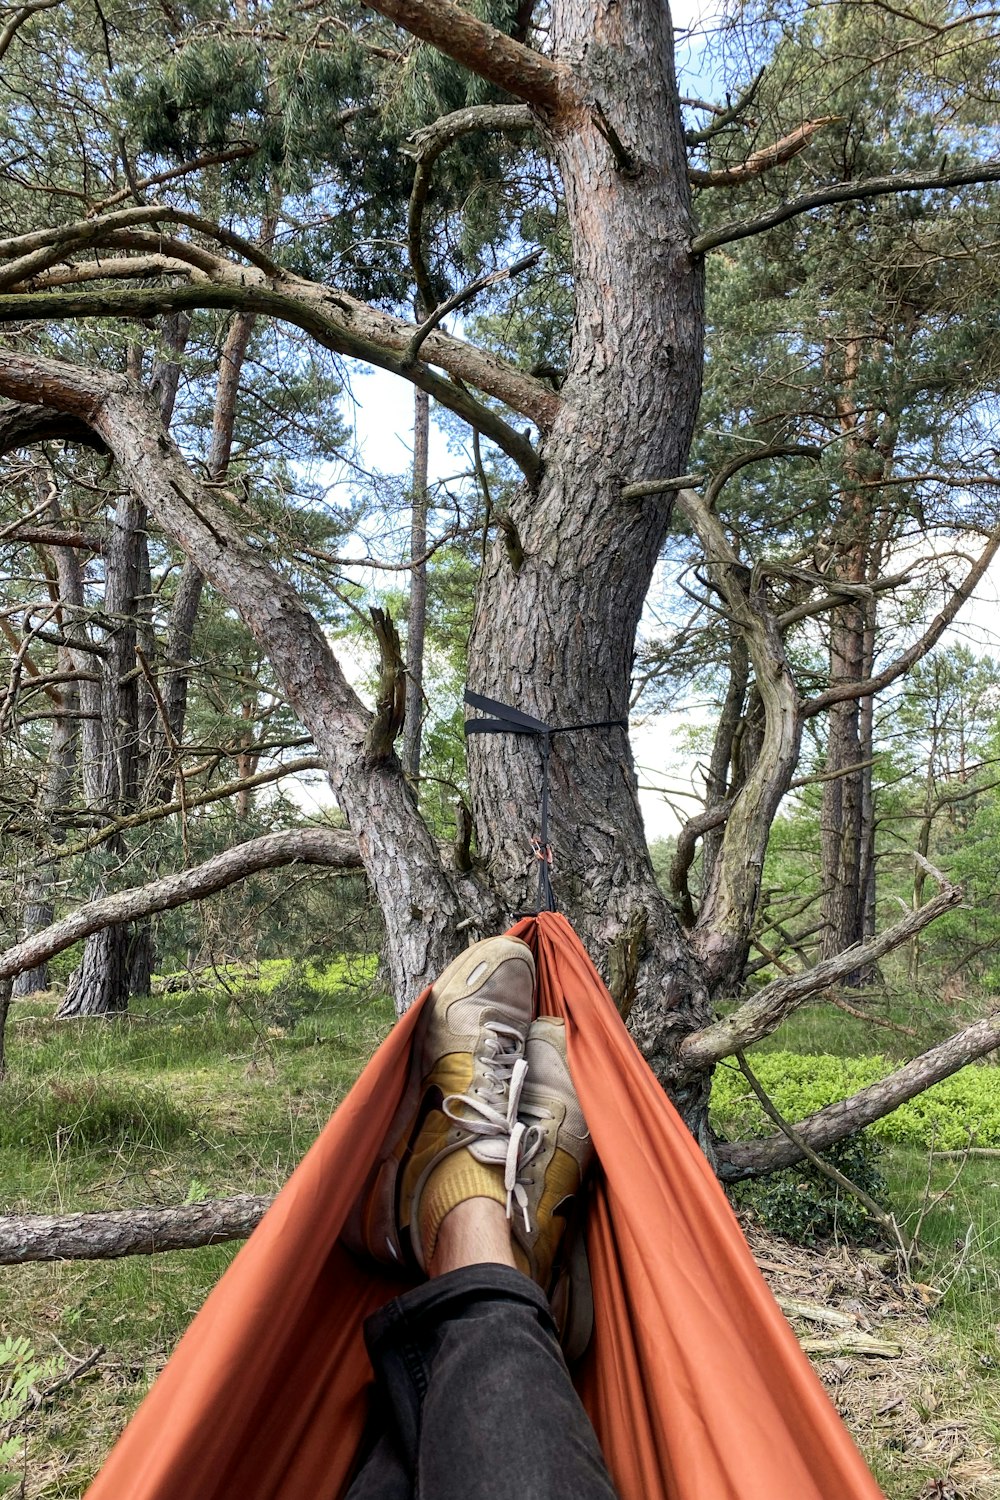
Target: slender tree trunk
5	990
847	817
62	753
39	908
101	983
163	765
720	783
417	614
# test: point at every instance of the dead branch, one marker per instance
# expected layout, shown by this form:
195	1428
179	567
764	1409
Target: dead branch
902	663
390	695
763	160
742	1159
136	1231
160	810
314	846
827	1169
759	1016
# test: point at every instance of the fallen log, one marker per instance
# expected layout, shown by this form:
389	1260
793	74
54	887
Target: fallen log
131	1231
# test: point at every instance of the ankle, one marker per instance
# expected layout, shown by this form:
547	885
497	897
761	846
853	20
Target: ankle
475	1232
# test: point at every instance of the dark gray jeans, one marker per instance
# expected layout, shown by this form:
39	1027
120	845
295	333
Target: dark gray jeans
473	1397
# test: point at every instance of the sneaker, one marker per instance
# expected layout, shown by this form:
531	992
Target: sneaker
554	1154
467	1070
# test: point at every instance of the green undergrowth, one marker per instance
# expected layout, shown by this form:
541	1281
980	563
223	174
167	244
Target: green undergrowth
221	1089
962	1109
195	1094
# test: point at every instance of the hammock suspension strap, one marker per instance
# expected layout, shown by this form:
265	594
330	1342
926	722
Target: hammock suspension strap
508	720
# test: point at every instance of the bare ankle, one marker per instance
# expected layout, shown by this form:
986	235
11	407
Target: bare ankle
476	1232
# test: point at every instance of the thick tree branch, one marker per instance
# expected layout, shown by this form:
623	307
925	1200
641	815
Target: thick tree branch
757	455
419	898
43	247
844	192
483	50
756	1158
338	322
23	424
720	935
759	1016
313	846
134	1231
427	144
38	536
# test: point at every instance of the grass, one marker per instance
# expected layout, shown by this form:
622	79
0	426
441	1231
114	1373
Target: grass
195	1094
216	1091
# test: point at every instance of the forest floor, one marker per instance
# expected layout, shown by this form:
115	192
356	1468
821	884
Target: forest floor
908	1386
211	1092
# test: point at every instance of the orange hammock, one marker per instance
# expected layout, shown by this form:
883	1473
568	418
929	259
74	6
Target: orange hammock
694	1381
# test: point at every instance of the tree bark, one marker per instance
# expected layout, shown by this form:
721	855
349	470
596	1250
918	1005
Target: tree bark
5	989
101	983
136	1231
60	766
423	904
847	830
556	637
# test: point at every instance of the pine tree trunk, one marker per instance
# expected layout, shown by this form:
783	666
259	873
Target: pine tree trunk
100	986
38	908
5	991
556	637
61	759
847	822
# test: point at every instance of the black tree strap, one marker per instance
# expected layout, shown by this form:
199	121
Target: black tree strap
508	720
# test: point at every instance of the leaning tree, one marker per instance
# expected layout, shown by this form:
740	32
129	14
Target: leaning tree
585	100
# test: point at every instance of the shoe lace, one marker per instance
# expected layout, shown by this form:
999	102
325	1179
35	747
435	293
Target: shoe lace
502	1071
527	1140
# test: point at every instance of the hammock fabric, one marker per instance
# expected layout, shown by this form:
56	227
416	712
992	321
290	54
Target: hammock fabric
694	1381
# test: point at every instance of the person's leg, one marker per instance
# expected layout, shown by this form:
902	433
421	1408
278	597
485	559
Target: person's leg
471	1384
473	1381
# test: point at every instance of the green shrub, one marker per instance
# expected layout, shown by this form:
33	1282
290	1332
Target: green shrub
803	1205
90	1113
21	1372
943	1117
